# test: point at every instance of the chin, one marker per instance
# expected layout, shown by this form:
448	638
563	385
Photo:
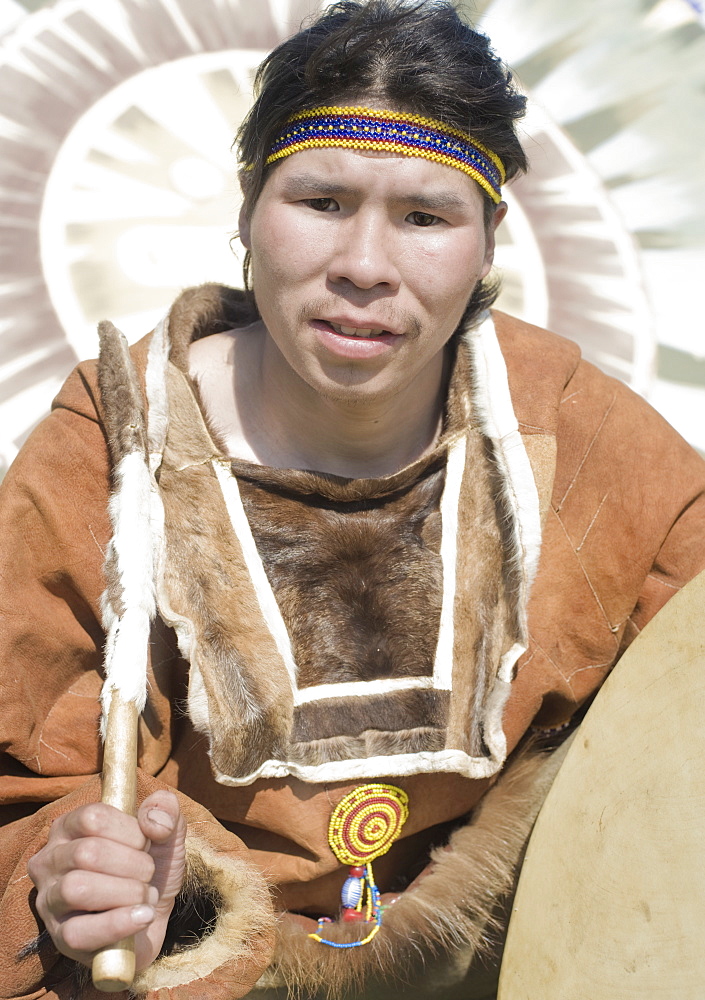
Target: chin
352	386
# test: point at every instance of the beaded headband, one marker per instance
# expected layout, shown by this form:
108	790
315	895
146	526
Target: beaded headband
406	134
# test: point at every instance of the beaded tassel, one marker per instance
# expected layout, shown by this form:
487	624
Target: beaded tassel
363	826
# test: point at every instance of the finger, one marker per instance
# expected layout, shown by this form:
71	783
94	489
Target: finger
100	820
80	935
168	843
159	815
95	854
90	892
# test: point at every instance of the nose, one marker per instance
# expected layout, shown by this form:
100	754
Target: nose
365	253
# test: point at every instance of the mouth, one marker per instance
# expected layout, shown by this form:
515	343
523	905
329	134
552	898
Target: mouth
355	331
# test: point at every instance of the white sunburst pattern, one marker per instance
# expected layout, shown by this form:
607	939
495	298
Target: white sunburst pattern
116	119
623	83
118	184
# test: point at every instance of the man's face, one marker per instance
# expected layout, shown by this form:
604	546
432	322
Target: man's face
344	242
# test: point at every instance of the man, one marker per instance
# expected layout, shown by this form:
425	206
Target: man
359	476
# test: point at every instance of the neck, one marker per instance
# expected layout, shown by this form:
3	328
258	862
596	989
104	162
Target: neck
294	426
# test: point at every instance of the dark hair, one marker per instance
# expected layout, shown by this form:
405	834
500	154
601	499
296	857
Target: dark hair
420	58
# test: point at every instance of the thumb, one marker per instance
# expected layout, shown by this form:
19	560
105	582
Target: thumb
160	820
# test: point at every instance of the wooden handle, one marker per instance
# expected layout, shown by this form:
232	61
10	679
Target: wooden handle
114	967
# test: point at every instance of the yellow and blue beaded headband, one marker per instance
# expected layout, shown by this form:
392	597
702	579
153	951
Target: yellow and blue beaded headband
397	132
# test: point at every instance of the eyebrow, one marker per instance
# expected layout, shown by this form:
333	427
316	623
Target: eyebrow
441	201
315	184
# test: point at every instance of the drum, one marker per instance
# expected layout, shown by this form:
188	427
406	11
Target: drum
611	898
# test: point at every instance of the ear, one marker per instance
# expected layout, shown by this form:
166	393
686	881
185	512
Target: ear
243	229
243	221
499	213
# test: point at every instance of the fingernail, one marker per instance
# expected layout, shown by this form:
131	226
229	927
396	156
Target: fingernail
161	818
142	914
153	895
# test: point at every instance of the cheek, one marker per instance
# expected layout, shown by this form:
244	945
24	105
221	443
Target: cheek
446	277
268	261
285	251
457	257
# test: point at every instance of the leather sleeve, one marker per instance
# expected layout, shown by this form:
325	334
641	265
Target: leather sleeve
54	523
53	513
626	530
55	529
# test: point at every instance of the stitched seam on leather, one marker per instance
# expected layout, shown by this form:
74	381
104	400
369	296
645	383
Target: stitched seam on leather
664	583
566	398
585	574
587	452
528	660
594	518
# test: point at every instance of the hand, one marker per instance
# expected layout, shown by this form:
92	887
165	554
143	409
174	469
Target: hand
103	876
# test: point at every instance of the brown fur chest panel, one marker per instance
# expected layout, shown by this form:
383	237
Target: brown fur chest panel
359	582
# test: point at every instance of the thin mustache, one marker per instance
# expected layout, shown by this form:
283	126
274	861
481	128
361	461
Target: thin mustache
404	321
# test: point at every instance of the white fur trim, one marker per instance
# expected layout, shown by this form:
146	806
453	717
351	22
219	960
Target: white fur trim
198	708
495	739
244	914
455	466
155	386
361	689
363	768
263	589
128	636
506	666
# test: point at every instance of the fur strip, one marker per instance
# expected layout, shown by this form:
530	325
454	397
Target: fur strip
263	591
225	910
483	620
450	501
515	481
120	394
238	689
155	387
206	309
453	907
129	598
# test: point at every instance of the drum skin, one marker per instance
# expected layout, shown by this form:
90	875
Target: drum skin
611	899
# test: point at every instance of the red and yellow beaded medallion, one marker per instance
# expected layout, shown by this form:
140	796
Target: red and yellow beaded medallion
363	826
365	823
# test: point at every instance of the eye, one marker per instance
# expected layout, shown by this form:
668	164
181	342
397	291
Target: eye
322	204
423	219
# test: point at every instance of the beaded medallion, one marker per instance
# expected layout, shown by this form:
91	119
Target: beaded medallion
363	826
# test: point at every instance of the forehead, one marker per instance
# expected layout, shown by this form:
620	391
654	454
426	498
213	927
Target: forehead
331	171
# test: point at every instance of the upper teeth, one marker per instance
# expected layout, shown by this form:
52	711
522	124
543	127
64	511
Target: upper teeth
354	331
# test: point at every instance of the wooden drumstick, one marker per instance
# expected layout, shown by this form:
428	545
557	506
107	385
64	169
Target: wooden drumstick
128	606
114	967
